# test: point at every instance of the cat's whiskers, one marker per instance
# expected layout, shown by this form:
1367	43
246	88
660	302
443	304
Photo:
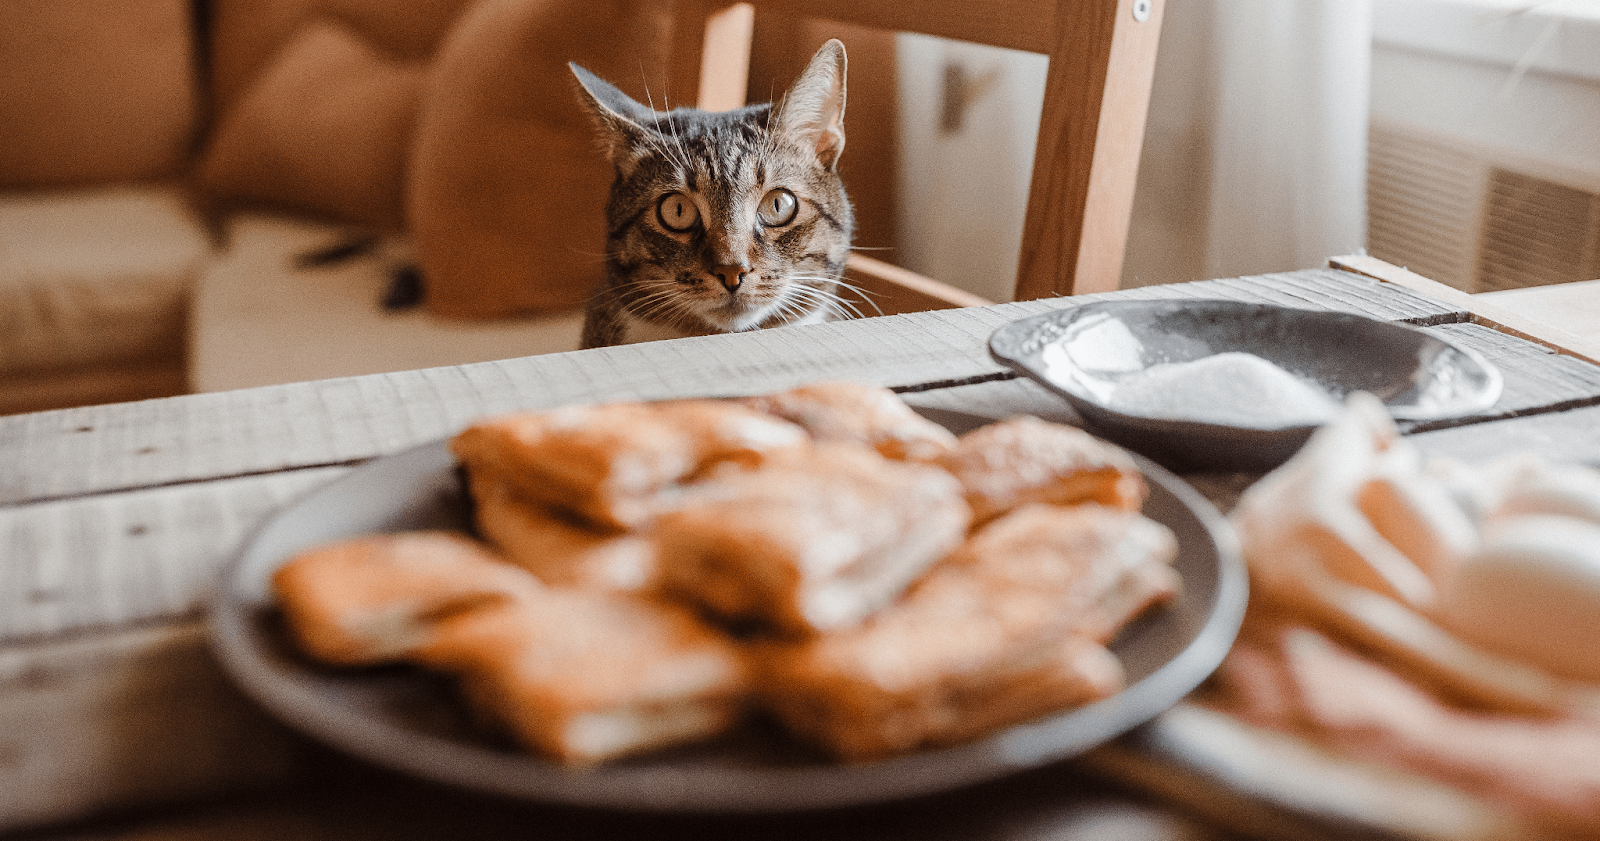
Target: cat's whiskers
796	305
646	298
801	294
673	153
658	138
662	304
866	295
683	151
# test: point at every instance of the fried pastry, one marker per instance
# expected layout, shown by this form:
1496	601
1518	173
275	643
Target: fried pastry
607	463
728	431
1011	626
859	413
1099	566
616	464
1024	459
807	546
584	676
376	598
553	546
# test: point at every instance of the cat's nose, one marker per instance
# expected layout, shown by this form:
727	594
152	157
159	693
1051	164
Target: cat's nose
731	276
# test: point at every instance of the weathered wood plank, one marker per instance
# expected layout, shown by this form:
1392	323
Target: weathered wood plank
353	804
1570	436
1317	289
99	449
106	448
137	717
124	560
1484	310
1536	379
1573	307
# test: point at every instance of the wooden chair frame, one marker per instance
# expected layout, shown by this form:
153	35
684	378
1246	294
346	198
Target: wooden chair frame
1097	94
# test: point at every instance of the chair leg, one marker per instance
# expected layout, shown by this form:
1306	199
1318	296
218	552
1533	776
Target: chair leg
1087	158
711	53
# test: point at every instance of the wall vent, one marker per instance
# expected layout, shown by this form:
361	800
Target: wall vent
1536	232
1422	204
1473	218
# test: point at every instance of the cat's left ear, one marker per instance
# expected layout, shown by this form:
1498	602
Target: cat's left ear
813	109
622	120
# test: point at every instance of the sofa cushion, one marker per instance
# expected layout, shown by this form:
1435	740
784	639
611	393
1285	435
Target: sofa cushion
89	277
262	317
324	130
246	35
507	184
409	30
95	90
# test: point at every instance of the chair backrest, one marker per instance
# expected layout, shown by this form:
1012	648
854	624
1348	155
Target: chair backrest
1097	92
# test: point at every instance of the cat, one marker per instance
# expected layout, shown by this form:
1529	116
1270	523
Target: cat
722	222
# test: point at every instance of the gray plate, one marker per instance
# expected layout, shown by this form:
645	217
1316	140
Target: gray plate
411	721
1084	352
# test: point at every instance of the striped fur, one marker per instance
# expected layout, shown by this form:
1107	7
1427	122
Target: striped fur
700	238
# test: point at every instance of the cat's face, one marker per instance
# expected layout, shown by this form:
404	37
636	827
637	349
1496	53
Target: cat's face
722	222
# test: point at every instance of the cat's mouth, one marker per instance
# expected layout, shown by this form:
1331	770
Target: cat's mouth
736	313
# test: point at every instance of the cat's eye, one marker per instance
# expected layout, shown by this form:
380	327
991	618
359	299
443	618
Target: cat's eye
677	212
778	207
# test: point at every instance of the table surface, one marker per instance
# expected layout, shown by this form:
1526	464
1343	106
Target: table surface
115	519
1573	307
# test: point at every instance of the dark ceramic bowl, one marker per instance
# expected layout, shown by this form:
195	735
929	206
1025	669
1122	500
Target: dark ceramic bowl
1218	413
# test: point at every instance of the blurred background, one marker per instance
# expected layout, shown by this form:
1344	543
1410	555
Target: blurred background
202	195
1460	138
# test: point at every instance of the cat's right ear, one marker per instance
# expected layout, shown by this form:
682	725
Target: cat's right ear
623	122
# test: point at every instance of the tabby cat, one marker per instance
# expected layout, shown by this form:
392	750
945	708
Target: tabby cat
722	222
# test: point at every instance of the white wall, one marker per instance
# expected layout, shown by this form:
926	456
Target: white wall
1225	185
963	192
1520	80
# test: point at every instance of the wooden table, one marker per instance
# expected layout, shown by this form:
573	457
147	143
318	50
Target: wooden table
1572	307
114	520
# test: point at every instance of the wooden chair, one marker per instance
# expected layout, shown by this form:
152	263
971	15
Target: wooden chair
1097	92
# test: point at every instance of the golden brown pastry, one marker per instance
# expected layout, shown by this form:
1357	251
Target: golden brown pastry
727	431
810	545
1010	627
1014	462
376	598
583	676
856	412
617	464
555	547
606	463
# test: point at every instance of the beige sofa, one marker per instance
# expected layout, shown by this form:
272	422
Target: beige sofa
100	107
168	167
200	195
